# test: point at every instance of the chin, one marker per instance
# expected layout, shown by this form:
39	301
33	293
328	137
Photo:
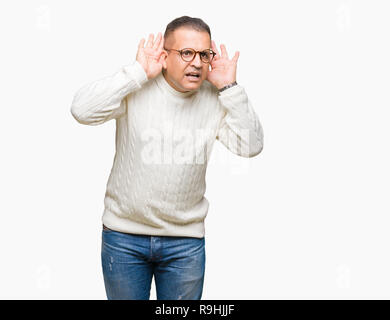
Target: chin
192	85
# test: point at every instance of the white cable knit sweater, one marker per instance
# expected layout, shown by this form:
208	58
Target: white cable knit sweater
163	141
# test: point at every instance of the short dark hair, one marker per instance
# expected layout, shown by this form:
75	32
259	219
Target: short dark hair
186	21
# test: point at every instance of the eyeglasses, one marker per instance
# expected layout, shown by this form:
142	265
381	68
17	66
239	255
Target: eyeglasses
189	54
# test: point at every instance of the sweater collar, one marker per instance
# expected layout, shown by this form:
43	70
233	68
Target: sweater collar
163	84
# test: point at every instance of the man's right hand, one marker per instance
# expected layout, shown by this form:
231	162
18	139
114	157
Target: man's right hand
151	57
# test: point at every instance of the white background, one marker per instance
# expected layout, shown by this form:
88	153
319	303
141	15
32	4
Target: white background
306	218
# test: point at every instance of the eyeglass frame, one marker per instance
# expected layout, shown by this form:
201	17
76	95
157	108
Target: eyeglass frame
196	52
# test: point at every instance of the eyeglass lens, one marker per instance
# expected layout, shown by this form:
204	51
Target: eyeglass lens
188	55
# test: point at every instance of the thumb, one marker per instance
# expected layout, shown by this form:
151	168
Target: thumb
235	58
161	59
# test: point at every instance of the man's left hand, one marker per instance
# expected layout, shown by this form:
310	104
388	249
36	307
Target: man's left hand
223	70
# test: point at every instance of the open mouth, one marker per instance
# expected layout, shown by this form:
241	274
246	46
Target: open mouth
193	76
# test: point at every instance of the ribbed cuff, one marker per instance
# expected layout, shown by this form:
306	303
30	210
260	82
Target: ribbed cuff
137	72
237	89
234	99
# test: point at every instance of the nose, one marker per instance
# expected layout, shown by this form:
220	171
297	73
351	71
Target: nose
197	62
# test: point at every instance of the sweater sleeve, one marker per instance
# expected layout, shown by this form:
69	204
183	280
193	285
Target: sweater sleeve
240	129
103	99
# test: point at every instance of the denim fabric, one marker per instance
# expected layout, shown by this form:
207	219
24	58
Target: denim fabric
129	261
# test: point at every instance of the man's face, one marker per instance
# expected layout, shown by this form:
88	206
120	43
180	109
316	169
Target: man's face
176	69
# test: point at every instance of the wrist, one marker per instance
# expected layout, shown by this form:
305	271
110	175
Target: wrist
136	71
226	86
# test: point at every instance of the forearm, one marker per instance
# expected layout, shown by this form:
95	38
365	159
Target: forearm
240	130
101	100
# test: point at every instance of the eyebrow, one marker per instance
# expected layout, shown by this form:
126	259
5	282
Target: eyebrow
195	49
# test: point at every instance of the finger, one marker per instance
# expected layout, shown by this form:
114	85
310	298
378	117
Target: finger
161	46
157	42
235	58
141	43
150	40
224	53
161	59
214	48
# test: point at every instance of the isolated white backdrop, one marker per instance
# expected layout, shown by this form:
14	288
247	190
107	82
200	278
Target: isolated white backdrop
307	218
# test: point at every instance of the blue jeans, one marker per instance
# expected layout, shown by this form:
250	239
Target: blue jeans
129	261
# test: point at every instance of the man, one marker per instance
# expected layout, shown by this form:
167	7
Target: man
167	119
